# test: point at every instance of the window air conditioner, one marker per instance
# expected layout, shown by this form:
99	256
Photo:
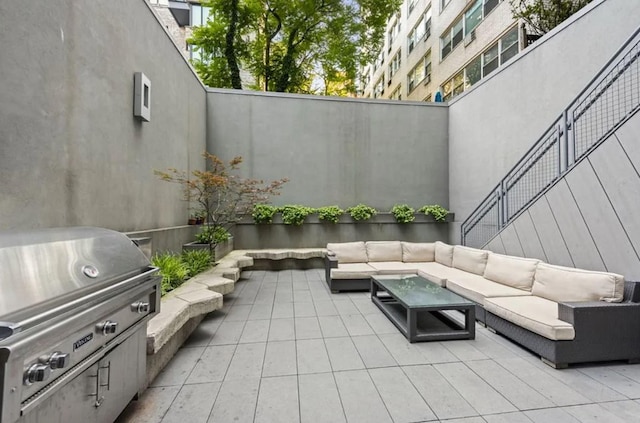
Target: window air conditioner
469	38
427	79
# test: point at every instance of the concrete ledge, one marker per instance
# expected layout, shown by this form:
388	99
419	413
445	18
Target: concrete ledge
284	253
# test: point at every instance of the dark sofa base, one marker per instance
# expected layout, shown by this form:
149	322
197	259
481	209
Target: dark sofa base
339	285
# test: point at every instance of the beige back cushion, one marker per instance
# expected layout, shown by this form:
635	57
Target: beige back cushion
349	252
414	252
444	253
384	250
517	272
557	283
469	259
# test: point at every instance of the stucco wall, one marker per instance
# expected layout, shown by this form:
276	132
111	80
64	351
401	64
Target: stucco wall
495	123
335	151
71	151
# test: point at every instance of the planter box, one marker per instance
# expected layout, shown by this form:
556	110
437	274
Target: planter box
219	251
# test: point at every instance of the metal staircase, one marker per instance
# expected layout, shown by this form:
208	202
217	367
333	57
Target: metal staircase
609	100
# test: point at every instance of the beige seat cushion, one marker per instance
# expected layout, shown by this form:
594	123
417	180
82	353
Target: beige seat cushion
349	252
444	253
477	289
558	283
418	252
353	271
469	259
536	314
517	272
437	272
394	267
384	250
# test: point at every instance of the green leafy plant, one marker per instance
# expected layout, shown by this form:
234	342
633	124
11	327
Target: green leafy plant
330	213
541	16
263	213
172	269
439	213
294	214
403	213
361	212
212	235
196	261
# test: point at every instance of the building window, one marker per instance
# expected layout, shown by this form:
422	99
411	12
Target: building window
489	5
395	64
427	98
378	90
509	45
420	31
194	52
379	61
422	72
472	17
397	93
443	4
411	6
393	33
199	15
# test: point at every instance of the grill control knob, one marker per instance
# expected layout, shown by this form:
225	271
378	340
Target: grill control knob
58	360
140	307
108	327
37	373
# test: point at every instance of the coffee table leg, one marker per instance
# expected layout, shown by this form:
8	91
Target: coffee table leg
470	322
412	328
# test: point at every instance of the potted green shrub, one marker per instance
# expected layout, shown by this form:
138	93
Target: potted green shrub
361	212
438	212
403	213
330	213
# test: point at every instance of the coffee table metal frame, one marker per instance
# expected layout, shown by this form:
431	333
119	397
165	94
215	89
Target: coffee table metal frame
407	323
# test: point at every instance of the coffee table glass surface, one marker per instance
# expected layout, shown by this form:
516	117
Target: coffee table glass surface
416	292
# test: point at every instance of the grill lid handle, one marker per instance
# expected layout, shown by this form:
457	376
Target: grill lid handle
7	329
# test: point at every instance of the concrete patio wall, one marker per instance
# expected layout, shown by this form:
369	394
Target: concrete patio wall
71	151
495	123
335	150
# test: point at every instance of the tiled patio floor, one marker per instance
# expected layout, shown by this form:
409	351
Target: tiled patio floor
284	349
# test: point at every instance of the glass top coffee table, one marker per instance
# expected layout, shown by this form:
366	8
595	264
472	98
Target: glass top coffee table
415	306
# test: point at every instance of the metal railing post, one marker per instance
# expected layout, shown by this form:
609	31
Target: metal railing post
571	140
501	206
563	140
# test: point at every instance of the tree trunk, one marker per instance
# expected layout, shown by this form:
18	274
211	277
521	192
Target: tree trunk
230	50
287	64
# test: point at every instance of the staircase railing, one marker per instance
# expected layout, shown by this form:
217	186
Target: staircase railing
611	98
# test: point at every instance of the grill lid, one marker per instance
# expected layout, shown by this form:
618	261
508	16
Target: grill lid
50	266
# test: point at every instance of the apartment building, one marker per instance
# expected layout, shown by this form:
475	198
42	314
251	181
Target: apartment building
179	17
440	45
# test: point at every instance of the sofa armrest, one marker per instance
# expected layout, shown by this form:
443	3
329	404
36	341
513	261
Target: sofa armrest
601	316
330	262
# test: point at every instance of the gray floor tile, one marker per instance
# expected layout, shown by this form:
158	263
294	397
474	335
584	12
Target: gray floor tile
266	296
319	399
305	309
332	327
280	359
403	352
513	389
282	330
628	411
475	391
442	398
614	380
179	368
356	325
545	384
255	331
151	407
236	401
632	371
585	385
489	347
380	323
345	306
360	399
260	312
466	420
435	352
301	296
325	308
247	296
212	365
312	356
516	417
307	328
593	413
550	415
366	306
228	333
343	354
246	362
204	333
465	350
400	397
373	352
193	404
284	296
278	400
282	310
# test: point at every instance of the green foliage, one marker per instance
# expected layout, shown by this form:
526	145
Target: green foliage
173	270
361	212
263	213
330	213
212	235
403	213
287	45
294	214
439	213
541	16
196	261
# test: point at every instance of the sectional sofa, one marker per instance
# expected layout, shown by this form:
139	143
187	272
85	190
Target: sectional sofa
565	315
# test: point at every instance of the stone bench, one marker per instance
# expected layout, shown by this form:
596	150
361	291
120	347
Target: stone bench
285	258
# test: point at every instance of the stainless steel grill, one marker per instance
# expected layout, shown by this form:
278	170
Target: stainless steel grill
74	303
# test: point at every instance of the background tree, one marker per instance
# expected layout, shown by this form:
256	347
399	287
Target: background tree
541	16
288	45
